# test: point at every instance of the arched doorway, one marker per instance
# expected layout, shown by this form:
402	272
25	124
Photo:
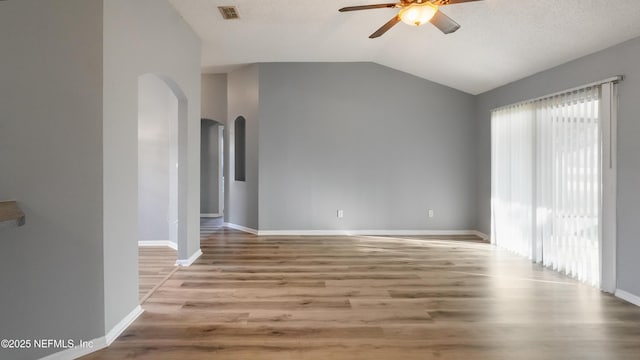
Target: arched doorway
211	170
161	209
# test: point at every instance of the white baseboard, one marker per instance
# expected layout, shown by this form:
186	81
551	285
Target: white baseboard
481	235
166	243
241	228
98	343
355	232
367	232
123	325
78	352
626	296
210	215
190	260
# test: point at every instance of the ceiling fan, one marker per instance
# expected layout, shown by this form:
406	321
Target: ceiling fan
415	13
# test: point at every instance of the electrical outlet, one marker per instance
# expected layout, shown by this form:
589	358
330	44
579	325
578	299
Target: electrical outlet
431	213
340	214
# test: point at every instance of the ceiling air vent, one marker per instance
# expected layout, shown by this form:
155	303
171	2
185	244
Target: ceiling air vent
229	12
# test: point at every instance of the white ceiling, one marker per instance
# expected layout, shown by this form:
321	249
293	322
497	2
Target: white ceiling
500	40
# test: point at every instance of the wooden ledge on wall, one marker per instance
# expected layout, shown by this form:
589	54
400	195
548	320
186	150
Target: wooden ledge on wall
10	211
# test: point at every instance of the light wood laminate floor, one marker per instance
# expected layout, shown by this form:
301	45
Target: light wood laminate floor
154	264
369	298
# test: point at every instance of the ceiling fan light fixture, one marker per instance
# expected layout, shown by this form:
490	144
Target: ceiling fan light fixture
417	14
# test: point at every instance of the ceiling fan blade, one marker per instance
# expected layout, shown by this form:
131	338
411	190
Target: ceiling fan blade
451	2
384	28
444	23
367	7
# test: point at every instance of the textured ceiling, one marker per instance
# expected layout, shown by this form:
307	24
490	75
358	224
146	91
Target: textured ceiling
500	40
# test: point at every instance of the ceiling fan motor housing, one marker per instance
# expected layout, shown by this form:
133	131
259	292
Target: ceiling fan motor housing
415	13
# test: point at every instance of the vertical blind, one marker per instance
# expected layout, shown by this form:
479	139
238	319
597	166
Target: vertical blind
512	178
546	181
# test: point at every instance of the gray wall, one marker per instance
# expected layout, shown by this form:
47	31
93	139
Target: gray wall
214	97
51	272
157	155
622	59
241	207
140	37
380	144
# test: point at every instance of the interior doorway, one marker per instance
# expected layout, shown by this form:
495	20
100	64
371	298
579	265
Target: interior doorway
211	169
160	111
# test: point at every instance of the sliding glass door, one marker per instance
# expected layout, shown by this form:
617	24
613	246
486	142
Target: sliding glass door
547	181
569	183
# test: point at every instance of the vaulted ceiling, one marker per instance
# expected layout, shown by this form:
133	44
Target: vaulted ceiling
500	41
